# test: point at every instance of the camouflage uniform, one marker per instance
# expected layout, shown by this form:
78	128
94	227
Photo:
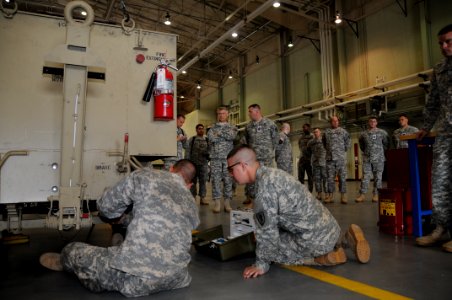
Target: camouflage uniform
283	153
304	164
148	260
221	141
318	163
262	136
373	144
402	131
181	145
438	109
336	142
291	226
198	153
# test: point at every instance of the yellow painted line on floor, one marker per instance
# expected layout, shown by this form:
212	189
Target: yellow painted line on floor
345	283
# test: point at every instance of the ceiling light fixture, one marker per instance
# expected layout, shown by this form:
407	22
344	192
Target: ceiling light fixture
338	19
83	13
235	34
290	44
230	75
258	60
184	72
167	19
199	85
276	4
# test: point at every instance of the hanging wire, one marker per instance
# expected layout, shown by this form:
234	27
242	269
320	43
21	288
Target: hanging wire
124	11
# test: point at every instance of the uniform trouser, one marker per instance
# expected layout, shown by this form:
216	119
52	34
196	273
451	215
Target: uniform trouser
442	182
201	178
369	168
250	188
219	173
319	177
333	168
91	264
304	166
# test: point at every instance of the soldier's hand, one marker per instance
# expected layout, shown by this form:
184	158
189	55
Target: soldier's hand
252	272
421	134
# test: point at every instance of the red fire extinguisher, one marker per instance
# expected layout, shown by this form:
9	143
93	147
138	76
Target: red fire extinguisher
164	94
161	86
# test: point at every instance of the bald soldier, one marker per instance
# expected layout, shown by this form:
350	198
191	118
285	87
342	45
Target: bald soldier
291	226
148	261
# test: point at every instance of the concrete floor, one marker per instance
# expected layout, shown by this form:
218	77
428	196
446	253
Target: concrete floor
397	269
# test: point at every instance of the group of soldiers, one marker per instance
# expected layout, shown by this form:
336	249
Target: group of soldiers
323	155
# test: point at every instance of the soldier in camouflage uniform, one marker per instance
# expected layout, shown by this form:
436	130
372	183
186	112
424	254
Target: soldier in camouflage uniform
283	151
198	153
147	261
439	110
404	129
181	139
262	135
373	143
291	226
336	141
318	162
304	163
221	140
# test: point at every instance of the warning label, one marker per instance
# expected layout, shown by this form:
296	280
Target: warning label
387	208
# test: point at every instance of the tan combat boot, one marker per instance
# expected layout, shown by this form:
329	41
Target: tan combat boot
204	201
448	246
52	261
375	198
360	198
328	198
335	257
343	198
322	196
432	238
358	243
319	195
227	205
217	207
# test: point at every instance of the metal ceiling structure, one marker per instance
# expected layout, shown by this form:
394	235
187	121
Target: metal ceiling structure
205	49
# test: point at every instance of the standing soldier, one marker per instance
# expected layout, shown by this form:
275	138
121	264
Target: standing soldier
283	151
438	109
403	130
221	140
337	142
262	135
181	139
197	152
373	142
318	163
304	164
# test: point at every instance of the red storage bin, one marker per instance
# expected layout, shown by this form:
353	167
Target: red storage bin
394	209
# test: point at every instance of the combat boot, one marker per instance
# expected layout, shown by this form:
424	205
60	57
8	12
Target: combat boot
335	257
227	205
360	198
217	207
204	201
448	246
322	196
319	195
432	238
375	198
52	261
328	198
356	240
343	198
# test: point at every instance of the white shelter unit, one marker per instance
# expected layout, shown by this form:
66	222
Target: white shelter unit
70	90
